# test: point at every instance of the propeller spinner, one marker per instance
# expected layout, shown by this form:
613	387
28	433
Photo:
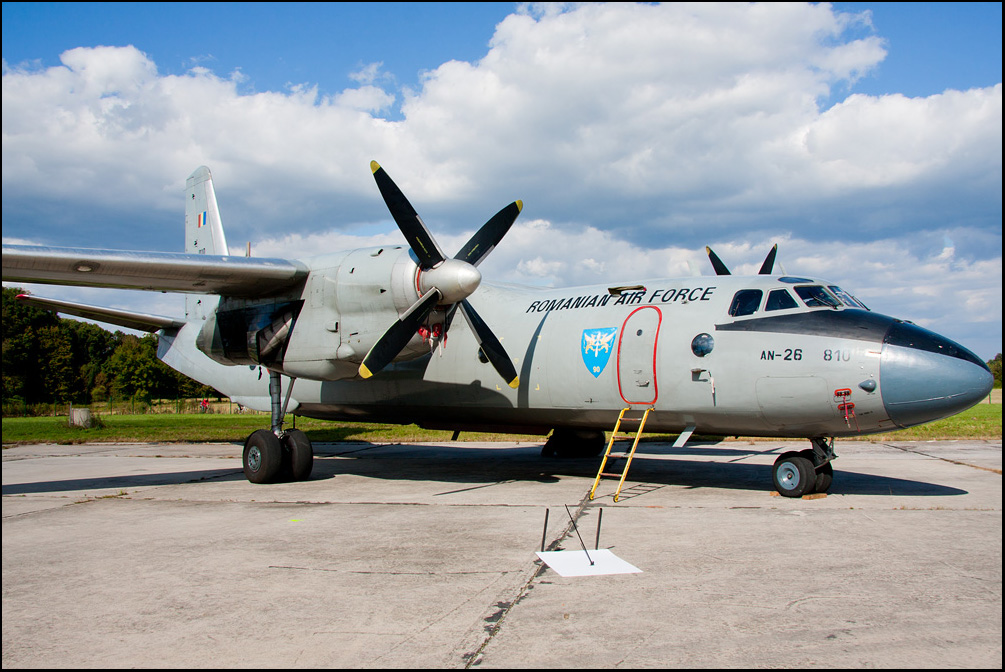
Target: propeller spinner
441	281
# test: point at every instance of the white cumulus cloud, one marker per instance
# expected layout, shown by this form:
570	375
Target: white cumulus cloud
634	133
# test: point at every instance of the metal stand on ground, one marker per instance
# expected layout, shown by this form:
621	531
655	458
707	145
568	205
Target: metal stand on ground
571	563
573	520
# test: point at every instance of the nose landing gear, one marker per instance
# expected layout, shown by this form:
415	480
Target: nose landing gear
807	471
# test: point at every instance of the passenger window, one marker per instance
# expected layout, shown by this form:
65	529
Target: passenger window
780	299
745	302
815	296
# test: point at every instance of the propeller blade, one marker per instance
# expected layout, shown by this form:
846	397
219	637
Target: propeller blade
398	335
407	219
487	237
720	268
490	345
769	261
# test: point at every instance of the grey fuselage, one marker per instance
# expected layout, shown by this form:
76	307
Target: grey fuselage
582	354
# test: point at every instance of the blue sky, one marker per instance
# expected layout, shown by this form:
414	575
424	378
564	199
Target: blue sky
272	44
865	138
932	45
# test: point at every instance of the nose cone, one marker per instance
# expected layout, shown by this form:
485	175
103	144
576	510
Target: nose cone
925	377
455	279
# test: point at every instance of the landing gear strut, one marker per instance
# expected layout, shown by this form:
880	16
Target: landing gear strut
278	454
801	473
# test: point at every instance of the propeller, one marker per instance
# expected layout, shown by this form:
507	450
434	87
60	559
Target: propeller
441	281
720	268
769	261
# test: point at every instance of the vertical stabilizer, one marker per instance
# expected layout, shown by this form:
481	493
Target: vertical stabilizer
203	228
203	232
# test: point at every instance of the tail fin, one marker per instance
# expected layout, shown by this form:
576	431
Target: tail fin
203	233
203	228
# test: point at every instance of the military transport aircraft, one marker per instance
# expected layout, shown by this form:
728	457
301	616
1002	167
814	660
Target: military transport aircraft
373	335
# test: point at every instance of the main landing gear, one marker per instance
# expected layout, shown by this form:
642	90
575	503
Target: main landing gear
278	454
807	471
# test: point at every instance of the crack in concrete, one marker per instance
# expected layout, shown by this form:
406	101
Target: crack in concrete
503	608
944	459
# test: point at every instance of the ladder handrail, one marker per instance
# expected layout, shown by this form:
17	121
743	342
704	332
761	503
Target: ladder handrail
631	454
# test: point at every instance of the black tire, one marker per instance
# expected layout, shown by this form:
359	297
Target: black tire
825	475
300	454
263	457
825	472
566	442
793	475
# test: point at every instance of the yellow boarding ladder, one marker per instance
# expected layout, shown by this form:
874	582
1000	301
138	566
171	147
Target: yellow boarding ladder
628	456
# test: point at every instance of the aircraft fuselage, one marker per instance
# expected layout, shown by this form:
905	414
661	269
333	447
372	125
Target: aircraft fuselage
703	352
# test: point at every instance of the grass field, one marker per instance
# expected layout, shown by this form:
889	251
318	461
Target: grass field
983	421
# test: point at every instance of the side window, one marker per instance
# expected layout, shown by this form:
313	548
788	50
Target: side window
780	299
745	302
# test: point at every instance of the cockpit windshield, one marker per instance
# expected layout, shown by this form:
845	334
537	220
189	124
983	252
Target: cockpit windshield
846	298
748	301
815	296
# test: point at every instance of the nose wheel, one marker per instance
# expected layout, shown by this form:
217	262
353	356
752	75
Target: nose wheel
796	474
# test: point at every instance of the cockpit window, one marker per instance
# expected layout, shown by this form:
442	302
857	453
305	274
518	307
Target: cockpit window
846	298
745	302
815	296
780	299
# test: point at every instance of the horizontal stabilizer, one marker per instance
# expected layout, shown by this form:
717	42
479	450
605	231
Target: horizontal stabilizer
154	271
122	318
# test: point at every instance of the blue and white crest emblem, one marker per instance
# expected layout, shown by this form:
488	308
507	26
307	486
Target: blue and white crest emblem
597	345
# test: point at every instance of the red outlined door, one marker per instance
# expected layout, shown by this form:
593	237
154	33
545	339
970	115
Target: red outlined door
637	356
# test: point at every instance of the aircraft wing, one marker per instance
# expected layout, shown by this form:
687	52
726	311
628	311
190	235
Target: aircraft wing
156	271
122	318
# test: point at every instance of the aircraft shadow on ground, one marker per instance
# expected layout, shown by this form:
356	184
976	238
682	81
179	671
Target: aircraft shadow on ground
457	464
122	482
483	466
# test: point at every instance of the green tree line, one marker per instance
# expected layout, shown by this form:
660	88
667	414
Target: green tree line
48	359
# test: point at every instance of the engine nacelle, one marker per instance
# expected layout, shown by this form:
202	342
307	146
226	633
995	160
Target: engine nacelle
325	329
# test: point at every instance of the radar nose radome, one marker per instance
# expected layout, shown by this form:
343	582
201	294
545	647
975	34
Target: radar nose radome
925	377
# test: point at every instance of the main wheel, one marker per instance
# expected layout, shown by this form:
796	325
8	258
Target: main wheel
263	457
301	454
794	475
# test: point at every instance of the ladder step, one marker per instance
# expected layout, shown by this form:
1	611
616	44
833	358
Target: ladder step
628	434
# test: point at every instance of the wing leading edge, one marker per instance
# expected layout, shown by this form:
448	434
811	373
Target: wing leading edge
153	271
